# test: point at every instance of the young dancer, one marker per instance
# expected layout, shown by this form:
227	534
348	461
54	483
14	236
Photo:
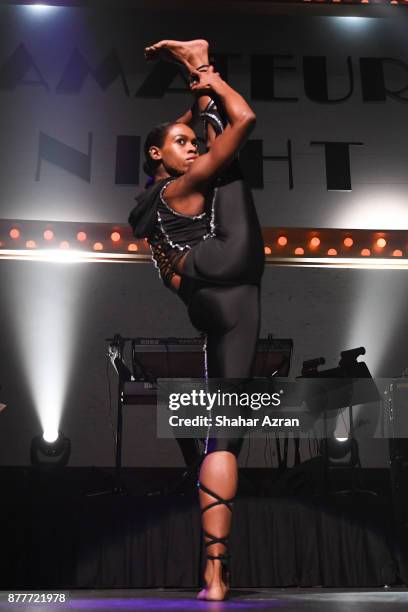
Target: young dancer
200	220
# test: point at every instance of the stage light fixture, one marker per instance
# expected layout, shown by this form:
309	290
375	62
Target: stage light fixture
340	451
381	243
115	236
15	233
98	246
48	235
299	251
81	236
282	241
397	253
132	247
64	245
332	252
348	359
267	250
344	388
55	453
31	244
348	242
365	252
314	242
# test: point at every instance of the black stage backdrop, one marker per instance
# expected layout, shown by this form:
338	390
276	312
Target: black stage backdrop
58	536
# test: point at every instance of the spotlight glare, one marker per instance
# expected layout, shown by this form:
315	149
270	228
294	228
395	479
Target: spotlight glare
41	8
341	439
381	243
61	255
50	435
315	242
348	20
44	306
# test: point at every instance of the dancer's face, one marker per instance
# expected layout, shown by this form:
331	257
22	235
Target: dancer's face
179	149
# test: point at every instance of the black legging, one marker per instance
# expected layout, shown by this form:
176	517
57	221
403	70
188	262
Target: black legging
230	318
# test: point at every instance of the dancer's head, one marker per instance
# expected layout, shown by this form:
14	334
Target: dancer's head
170	148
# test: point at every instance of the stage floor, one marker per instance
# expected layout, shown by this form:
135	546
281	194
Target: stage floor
287	600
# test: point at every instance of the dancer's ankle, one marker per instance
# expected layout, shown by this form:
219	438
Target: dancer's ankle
198	61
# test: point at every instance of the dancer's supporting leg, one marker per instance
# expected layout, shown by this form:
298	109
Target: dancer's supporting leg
218	485
231	317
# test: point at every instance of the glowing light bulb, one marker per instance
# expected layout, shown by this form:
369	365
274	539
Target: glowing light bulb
48	235
282	241
14	233
81	236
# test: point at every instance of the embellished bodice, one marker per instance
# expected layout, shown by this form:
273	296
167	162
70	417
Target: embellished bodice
175	233
179	230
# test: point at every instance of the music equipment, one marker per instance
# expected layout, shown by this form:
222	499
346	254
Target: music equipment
155	358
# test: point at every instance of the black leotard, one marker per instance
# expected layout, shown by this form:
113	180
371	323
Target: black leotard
221	272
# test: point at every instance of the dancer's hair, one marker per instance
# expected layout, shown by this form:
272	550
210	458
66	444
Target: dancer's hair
155	138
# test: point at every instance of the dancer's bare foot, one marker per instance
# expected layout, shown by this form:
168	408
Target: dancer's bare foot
216	589
191	53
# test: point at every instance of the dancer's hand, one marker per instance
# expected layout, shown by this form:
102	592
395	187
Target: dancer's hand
205	82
